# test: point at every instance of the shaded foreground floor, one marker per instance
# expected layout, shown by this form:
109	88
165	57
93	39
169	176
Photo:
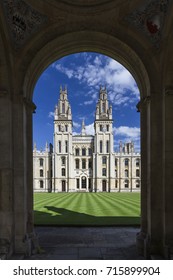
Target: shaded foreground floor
87	243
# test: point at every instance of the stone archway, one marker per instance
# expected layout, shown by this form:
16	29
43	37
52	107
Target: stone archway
23	58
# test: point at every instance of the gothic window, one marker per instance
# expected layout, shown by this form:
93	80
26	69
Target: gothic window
41	184
107	146
41	172
89	163
63	108
103	171
126	173
101	146
104	160
63	160
116	184
77	183
83	152
101	127
137	162
66	128
137	172
83	182
103	108
126	162
126	184
41	161
137	184
77	163
59	128
63	171
83	164
107	127
89	152
59	144
77	152
66	146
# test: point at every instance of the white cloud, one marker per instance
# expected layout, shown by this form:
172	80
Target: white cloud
89	129
51	115
76	125
122	88
89	102
128	132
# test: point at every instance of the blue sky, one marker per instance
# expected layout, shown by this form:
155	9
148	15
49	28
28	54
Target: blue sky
83	74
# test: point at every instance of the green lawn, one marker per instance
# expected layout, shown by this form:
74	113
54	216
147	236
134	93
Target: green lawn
87	209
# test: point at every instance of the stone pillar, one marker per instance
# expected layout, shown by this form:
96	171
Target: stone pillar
168	182
144	109
6	176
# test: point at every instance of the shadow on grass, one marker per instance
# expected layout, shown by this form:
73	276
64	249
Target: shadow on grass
64	217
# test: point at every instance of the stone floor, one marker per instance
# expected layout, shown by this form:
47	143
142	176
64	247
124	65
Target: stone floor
87	243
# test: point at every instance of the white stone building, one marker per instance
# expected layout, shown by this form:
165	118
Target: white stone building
86	163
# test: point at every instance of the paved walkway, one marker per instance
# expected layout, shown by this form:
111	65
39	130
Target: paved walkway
87	243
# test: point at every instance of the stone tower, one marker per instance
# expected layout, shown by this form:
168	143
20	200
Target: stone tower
103	143
62	157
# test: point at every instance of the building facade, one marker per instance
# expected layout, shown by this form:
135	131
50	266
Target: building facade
85	163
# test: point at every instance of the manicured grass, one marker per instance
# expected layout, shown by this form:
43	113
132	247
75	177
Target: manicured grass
87	209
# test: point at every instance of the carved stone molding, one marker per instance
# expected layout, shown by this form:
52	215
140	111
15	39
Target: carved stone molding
142	102
150	18
22	20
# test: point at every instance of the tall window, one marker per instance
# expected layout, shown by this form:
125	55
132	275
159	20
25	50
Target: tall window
63	171
41	172
77	163
83	164
103	171
126	184
89	151
101	127
66	128
89	163
63	108
59	144
83	182
101	146
116	162
115	173
83	152
137	184
103	108
41	161
126	162
116	184
41	184
104	160
137	162
126	173
77	183
66	146
137	172
77	152
63	161
107	127
107	146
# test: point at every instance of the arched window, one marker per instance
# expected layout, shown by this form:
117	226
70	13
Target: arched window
41	161
137	162
83	152
126	162
103	171
83	164
137	184
41	184
63	160
41	172
126	184
77	163
104	160
83	182
63	171
77	151
137	172
63	108
126	173
101	146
